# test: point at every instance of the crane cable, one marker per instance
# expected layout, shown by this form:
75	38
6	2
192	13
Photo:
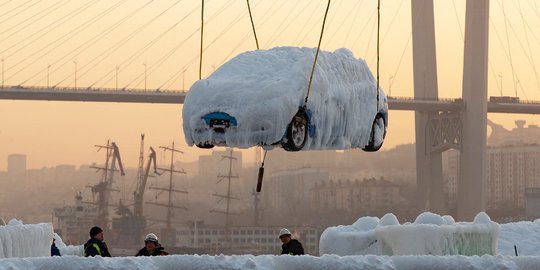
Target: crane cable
378	47
201	50
260	175
317	53
252	25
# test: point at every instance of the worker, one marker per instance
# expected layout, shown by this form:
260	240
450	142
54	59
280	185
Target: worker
54	249
152	247
95	245
290	246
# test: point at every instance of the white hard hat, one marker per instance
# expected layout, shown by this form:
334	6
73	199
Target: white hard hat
151	237
284	231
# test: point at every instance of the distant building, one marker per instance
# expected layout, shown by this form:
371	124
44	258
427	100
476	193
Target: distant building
532	203
16	163
212	165
246	239
521	134
367	195
510	170
287	196
73	222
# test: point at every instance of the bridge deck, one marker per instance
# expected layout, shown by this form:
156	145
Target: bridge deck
178	97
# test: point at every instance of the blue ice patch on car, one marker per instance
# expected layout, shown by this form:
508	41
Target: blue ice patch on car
220	118
311	127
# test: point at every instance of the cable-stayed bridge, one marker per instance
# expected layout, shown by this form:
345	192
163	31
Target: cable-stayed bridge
98	50
177	97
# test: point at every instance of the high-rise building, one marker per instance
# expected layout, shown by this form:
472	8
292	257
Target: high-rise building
16	163
510	170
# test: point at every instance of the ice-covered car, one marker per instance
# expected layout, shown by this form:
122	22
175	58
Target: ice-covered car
257	98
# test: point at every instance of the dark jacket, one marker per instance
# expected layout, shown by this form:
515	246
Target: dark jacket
294	247
54	250
95	247
159	251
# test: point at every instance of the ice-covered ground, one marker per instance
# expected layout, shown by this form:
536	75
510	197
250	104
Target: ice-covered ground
525	235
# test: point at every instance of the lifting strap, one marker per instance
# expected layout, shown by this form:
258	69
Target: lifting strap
378	38
252	25
316	54
201	50
261	173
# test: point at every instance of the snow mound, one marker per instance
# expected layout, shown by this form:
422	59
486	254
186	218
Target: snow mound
270	262
356	239
20	240
68	250
430	234
525	235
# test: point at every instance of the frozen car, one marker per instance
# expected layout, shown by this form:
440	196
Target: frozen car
257	98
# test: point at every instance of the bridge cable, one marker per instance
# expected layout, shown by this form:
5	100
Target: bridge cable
15	8
317	53
88	4
252	25
177	74
19	12
264	20
88	43
457	19
6	2
351	10
46	29
297	17
508	44
166	57
127	62
68	36
378	47
530	52
277	32
201	49
43	13
306	23
105	54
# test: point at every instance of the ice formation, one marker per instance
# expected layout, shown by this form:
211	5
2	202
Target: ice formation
25	240
263	90
430	234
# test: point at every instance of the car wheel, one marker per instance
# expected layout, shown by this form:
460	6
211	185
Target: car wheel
376	137
297	132
205	145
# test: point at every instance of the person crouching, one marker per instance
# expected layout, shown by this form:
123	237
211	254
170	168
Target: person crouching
152	247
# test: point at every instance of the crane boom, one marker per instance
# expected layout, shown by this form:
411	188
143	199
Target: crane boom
139	193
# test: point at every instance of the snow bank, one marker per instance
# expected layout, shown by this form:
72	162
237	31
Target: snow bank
356	239
263	90
20	240
270	262
430	234
525	235
68	250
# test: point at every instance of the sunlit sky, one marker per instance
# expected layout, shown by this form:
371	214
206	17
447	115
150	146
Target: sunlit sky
54	38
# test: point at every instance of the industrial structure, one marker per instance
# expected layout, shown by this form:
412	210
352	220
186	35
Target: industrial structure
130	224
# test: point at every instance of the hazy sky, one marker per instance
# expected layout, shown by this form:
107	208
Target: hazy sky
96	37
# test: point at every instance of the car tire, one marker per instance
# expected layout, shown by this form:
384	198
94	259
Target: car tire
378	125
297	132
205	145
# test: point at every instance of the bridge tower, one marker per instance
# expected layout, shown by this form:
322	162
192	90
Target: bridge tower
471	197
437	131
428	163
